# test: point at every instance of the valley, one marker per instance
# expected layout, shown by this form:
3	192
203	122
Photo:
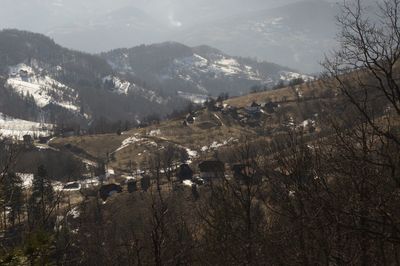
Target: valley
208	130
168	150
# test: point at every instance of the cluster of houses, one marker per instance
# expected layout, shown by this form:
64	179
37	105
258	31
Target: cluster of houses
249	115
208	171
253	115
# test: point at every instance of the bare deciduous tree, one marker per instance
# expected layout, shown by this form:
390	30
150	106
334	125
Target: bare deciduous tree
366	67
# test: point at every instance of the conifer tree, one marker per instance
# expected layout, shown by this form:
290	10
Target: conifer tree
42	198
13	196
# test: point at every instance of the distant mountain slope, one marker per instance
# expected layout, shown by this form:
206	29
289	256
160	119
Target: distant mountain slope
47	81
177	68
296	35
44	90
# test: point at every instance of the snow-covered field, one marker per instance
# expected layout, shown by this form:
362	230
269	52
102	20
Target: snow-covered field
17	128
44	90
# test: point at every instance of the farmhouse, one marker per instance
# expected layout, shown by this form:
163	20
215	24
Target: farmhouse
271	107
185	172
253	109
109	190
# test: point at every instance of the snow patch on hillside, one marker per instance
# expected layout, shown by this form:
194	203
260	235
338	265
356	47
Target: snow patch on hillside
288	76
188	183
155	133
228	66
127	142
116	85
44	90
194	98
26	178
192	153
192	67
215	145
75	213
17	128
196	70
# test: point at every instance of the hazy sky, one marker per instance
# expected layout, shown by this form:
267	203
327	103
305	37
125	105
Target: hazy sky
288	38
40	15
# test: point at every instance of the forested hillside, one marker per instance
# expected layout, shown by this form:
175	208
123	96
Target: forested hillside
32	65
203	70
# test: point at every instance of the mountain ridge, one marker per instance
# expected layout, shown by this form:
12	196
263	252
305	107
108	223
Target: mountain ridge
41	72
200	69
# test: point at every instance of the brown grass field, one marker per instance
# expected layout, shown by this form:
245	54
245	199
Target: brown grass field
211	129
